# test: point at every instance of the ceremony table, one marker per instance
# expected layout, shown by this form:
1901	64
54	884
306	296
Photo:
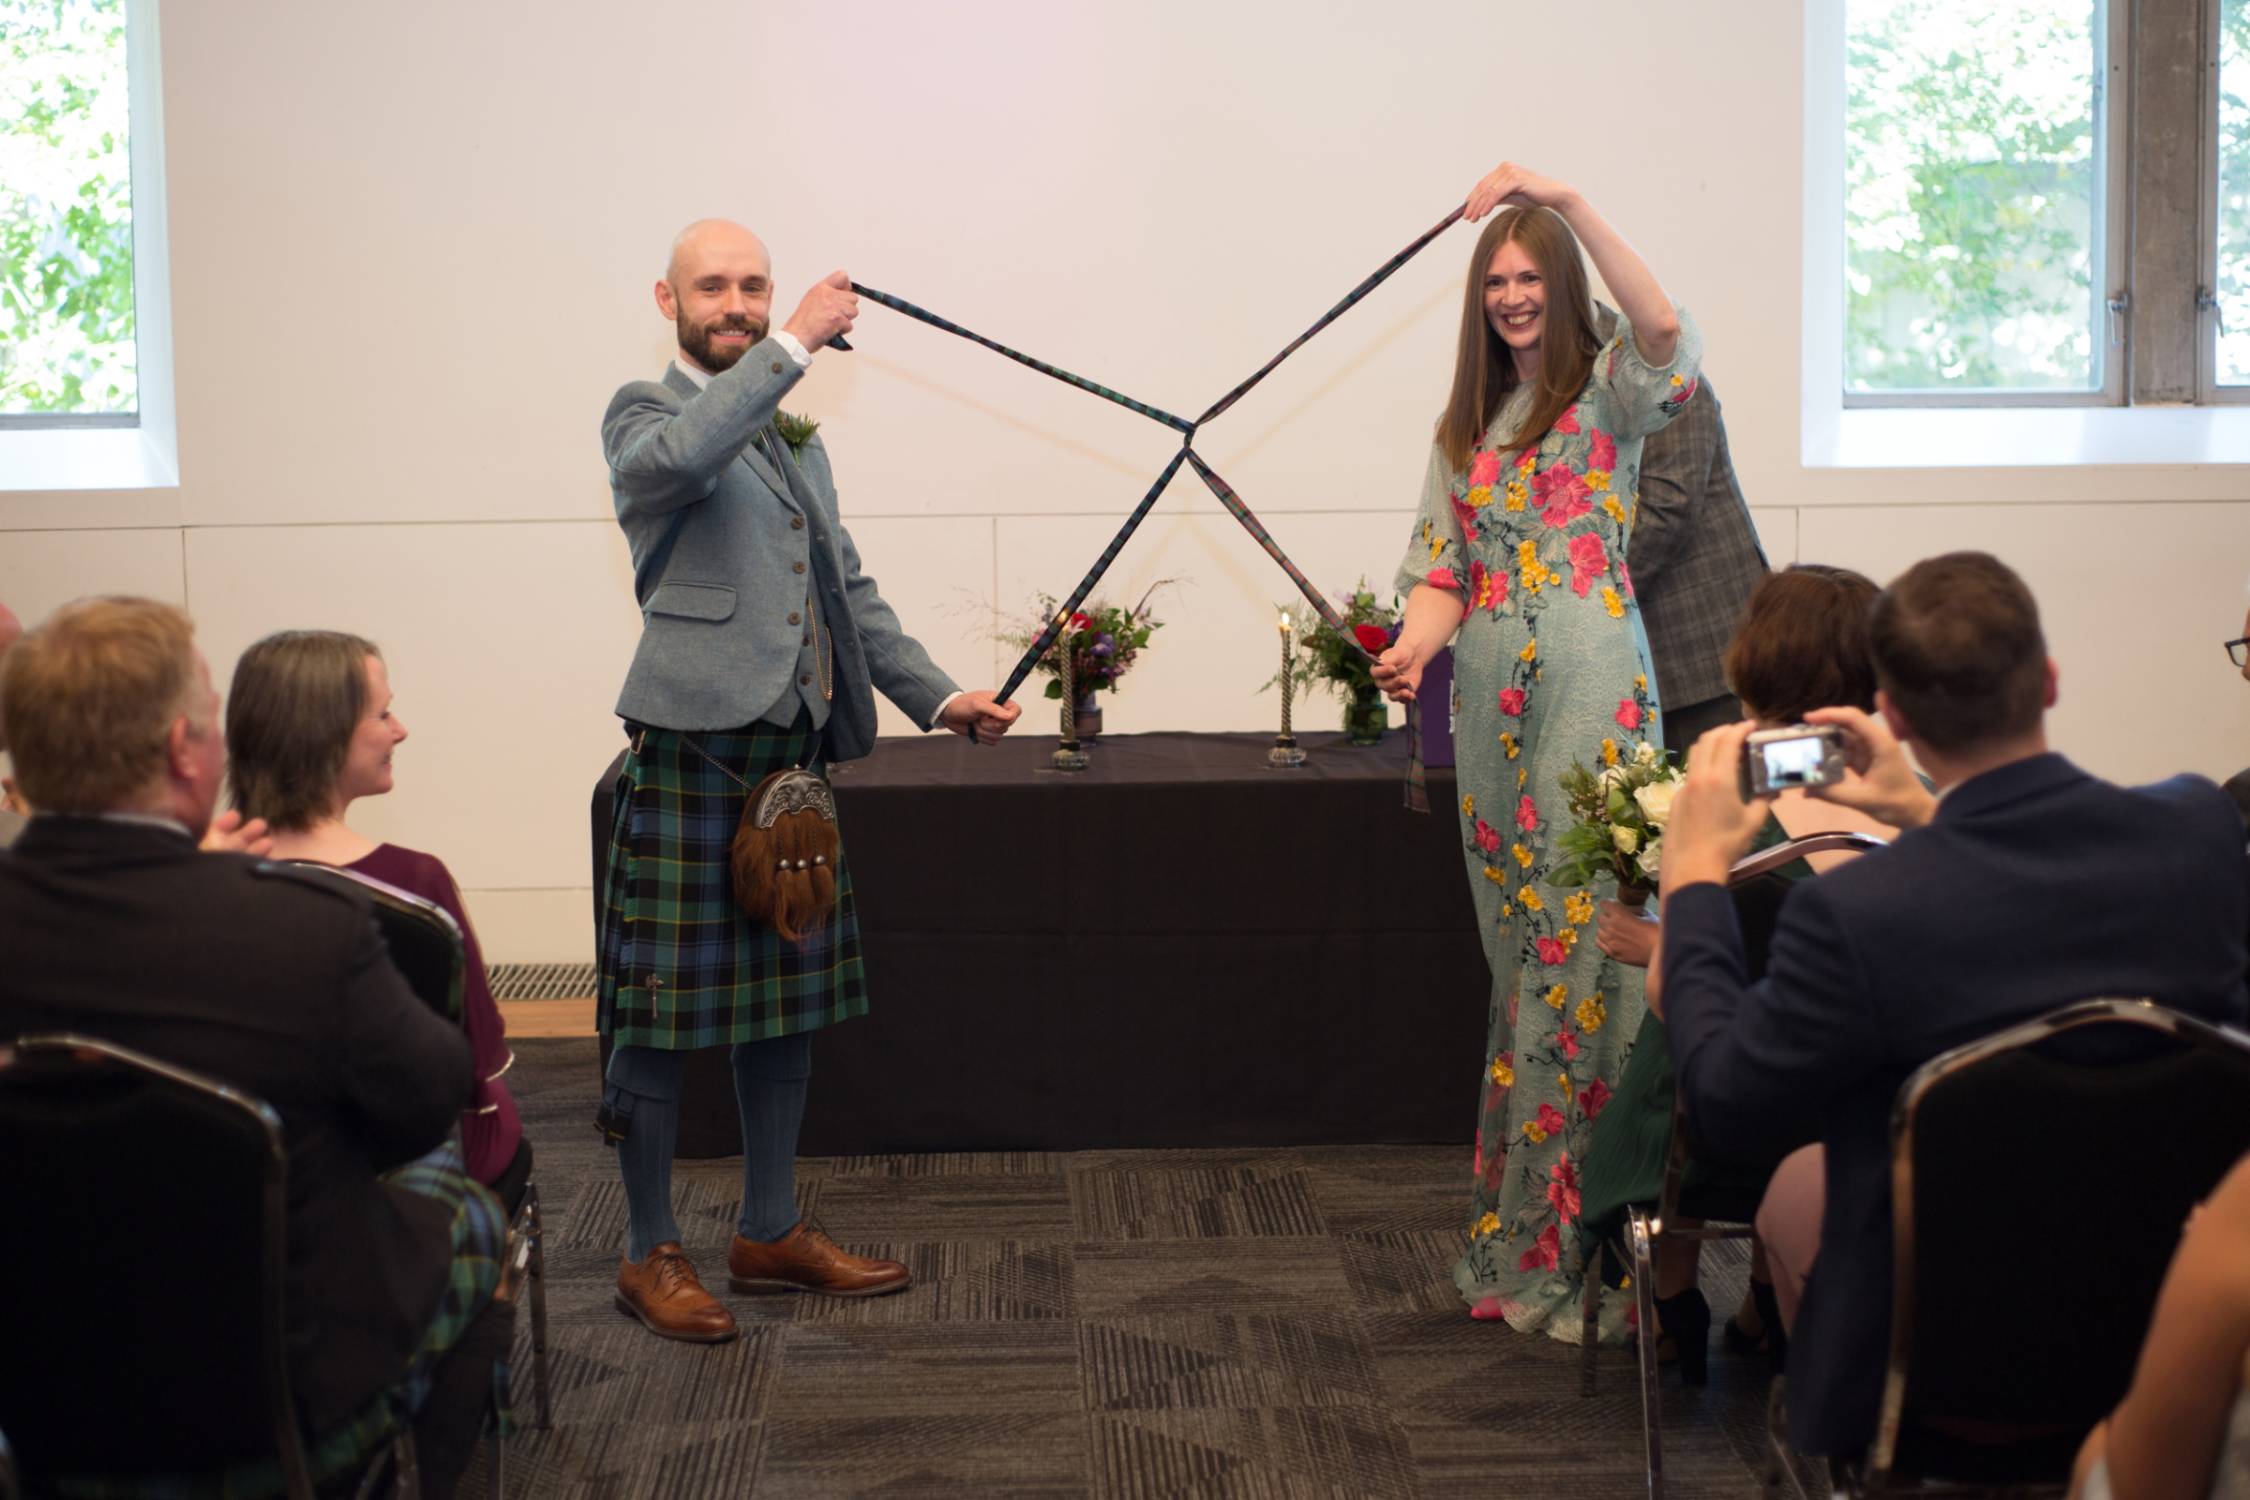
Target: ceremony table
1174	947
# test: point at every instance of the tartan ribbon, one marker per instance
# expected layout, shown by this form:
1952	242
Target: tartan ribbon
1187	454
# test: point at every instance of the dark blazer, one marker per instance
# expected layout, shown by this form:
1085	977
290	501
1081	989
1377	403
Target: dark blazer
2034	886
277	983
727	546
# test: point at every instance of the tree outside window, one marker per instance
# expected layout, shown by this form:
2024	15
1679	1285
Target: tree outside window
66	232
1973	185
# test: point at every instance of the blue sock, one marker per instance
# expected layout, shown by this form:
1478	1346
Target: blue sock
769	1089
644	1086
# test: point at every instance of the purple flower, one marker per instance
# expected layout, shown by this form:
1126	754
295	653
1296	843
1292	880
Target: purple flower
1102	646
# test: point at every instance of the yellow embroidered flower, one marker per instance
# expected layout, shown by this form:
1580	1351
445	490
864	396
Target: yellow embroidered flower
1597	479
1529	460
1562	1080
1531	899
1502	1074
1613	510
1612	603
1527	553
1437	546
1609	752
1506	910
1556	996
1530	651
1534	1132
1567	936
1523	855
1517	495
1508	743
1495	875
1522	776
1578	906
1468	804
1480	497
1640	680
1591	1014
1677	382
1489	1224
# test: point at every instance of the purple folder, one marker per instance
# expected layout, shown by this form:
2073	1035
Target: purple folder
1436	698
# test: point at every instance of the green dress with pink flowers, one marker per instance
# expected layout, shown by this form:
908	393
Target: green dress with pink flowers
1551	667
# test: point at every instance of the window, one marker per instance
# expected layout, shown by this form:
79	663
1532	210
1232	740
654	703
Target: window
2044	202
68	349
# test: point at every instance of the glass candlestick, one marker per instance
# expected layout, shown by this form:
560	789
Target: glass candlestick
1285	756
1068	756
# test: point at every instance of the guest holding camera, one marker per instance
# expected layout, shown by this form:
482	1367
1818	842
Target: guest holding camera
310	731
1801	644
2031	886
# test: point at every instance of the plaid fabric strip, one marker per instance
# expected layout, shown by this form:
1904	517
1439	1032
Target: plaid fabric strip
1258	532
922	314
681	965
1053	628
1382	274
480	1236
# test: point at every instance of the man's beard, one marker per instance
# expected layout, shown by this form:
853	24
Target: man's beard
695	338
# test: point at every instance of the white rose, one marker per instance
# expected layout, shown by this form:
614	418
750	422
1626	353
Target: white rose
1612	776
1646	755
1652	858
1625	839
1656	801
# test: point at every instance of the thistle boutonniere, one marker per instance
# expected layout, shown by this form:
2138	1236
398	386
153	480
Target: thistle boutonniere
796	432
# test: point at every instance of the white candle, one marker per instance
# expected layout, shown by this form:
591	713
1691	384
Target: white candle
1288	654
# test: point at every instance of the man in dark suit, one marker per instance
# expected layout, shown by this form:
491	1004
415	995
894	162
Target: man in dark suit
2021	885
254	974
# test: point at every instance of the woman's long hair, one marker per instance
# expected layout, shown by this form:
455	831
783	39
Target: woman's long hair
1484	373
296	700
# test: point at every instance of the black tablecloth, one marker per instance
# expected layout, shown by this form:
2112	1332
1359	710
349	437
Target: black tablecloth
1175	947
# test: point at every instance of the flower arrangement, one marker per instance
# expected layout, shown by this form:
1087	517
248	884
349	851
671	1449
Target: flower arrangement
1621	811
1346	661
1104	641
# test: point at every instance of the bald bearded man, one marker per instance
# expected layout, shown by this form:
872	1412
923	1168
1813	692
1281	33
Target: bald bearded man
762	645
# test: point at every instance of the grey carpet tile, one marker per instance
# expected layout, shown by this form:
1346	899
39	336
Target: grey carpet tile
1227	1360
1217	1322
1272	1452
1168	1202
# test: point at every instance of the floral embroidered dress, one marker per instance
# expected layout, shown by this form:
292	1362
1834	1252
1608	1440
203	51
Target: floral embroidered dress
1551	666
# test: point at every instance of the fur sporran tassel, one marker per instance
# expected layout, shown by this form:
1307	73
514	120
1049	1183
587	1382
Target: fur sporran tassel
785	852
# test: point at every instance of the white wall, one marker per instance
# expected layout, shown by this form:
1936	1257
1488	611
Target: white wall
411	254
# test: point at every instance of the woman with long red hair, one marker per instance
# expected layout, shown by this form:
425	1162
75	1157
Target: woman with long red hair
1518	557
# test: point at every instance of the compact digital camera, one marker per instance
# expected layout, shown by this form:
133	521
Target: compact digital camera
1796	755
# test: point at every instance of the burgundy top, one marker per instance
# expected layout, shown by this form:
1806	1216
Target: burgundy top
490	1127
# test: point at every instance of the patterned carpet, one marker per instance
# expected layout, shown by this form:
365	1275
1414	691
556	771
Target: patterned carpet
1134	1323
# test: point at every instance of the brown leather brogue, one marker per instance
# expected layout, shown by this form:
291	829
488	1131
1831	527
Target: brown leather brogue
807	1260
665	1295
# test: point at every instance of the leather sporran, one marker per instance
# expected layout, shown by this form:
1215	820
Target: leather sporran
784	854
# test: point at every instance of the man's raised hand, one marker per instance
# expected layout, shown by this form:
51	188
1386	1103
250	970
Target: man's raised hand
1878	778
827	310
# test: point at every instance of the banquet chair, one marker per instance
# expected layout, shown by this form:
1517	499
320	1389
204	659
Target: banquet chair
2000	1363
1714	1209
148	1380
426	947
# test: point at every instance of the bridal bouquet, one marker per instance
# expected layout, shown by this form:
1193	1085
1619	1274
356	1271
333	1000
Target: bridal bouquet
1621	811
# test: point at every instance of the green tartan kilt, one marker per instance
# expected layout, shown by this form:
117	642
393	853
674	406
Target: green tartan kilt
681	965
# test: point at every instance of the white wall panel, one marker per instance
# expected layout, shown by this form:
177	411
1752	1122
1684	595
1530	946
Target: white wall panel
41	569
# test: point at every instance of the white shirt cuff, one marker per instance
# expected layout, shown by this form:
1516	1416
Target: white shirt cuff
796	351
939	715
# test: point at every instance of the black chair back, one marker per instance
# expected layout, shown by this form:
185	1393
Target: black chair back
2039	1182
425	942
143	1246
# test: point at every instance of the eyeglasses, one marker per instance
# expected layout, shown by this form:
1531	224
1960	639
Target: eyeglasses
2238	652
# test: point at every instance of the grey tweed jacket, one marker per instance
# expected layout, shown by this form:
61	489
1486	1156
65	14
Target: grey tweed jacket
733	560
1693	551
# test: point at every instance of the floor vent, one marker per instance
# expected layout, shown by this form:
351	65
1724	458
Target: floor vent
542	981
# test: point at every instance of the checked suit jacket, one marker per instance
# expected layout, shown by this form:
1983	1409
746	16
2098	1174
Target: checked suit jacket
737	550
1693	550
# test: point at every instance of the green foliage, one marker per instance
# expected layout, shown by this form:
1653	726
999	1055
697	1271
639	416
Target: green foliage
66	233
1972	225
1324	655
2234	193
1103	641
1607	801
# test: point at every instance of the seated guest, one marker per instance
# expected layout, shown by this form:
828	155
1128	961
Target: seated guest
1801	644
2238	652
263	978
2183	1430
310	731
2030	885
